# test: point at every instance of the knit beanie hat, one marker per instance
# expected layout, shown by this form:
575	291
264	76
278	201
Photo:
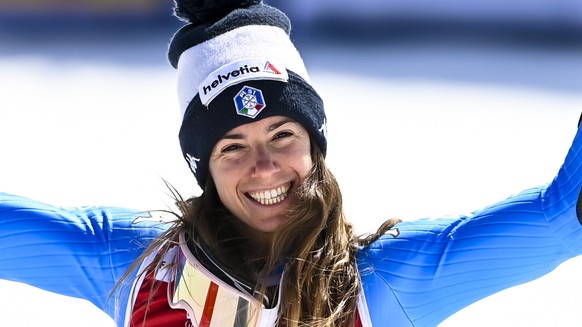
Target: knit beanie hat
236	64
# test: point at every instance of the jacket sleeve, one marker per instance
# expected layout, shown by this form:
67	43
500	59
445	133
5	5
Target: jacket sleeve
77	252
435	267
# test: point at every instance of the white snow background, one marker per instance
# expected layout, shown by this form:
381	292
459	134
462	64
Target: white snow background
415	130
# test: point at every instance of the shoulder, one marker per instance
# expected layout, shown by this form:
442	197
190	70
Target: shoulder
407	236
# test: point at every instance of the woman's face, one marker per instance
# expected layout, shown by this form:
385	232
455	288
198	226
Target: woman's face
258	166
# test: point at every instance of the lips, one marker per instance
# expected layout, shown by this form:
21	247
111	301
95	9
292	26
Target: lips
272	196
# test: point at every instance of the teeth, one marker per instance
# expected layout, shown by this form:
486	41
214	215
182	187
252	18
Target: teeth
270	197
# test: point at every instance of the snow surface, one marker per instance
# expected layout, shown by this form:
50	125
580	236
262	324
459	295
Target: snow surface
415	130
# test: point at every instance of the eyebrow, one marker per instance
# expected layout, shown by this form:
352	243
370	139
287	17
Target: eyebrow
274	126
280	123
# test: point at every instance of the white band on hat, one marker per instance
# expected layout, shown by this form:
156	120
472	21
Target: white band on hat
197	64
238	71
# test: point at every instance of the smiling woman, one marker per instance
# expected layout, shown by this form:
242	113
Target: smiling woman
257	165
267	243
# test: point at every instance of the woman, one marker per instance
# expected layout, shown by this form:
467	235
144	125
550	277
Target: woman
267	243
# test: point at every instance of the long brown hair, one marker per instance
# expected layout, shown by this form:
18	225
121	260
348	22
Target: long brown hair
317	246
322	283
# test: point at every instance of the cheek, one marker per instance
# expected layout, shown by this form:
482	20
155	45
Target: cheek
226	176
226	190
221	179
307	165
303	164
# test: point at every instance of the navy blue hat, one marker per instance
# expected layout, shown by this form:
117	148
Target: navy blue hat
236	65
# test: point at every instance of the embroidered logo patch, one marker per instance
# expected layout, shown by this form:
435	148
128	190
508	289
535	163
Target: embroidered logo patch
193	162
237	72
249	102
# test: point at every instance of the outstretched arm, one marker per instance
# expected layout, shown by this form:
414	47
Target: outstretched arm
78	252
434	268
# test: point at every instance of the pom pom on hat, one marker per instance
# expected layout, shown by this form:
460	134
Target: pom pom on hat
231	54
199	12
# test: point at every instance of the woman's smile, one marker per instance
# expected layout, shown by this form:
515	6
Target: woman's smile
271	196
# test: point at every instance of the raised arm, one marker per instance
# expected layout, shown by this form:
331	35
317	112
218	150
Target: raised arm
434	268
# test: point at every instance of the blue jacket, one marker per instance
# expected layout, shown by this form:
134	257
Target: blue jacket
419	275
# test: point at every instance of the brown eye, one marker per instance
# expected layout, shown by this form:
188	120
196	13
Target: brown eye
282	135
231	148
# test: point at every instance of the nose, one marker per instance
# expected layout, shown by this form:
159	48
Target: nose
265	164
